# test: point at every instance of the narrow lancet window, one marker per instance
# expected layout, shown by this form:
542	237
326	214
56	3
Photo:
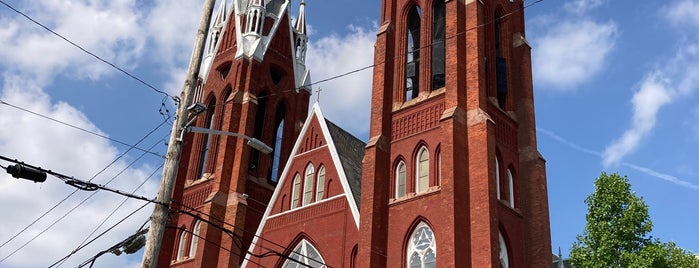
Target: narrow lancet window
279	134
500	64
412	62
400	180
206	142
439	33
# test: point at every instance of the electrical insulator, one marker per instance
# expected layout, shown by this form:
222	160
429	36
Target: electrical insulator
25	172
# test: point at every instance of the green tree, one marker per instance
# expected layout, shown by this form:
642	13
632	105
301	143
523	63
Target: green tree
616	233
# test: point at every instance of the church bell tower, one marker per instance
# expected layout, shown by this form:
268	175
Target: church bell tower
452	176
253	81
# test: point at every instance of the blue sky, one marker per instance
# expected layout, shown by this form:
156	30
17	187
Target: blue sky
615	90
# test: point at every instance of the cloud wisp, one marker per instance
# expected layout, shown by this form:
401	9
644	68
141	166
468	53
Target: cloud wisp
645	170
673	79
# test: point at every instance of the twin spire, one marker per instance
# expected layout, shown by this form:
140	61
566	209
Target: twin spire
253	36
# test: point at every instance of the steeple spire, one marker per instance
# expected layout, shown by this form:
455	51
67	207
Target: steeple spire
301	21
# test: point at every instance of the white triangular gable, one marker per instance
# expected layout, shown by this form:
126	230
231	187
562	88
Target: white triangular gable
315	113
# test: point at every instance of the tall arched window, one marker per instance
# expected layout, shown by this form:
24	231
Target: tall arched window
276	158
304	255
412	61
504	257
257	131
308	185
500	64
497	177
422	248
295	191
439	32
400	180
206	142
510	188
320	184
182	245
423	170
195	239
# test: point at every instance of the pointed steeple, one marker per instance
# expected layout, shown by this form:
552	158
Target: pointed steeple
301	21
214	37
302	75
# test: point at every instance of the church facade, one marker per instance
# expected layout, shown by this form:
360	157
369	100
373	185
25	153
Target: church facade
450	175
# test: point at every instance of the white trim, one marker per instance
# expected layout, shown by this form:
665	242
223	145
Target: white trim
510	182
315	113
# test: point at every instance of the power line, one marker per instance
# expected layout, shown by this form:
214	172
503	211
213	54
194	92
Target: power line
82	129
214	243
236	227
88	52
110	215
417	49
88	186
100	235
93	177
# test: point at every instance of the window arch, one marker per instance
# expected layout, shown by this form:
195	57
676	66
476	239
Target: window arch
400	179
504	256
195	239
500	62
497	177
295	191
277	149
320	184
304	255
412	60
204	153
439	32
182	245
308	184
422	247
422	170
510	188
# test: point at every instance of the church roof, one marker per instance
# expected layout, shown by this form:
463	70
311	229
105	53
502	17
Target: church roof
351	152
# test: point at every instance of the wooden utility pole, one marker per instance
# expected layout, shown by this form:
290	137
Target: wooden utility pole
160	212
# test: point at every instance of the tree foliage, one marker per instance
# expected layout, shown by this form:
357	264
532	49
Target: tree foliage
617	231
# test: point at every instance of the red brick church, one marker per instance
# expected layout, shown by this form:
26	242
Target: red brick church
449	177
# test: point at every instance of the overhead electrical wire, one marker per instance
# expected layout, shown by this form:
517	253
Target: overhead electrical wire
93	177
87	51
88	186
100	235
215	244
82	129
110	214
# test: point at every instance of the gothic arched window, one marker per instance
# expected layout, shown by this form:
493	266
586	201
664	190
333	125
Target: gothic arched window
439	33
204	153
277	149
412	61
295	191
304	255
510	188
400	179
422	248
423	171
320	184
504	257
500	64
195	239
308	185
182	245
497	177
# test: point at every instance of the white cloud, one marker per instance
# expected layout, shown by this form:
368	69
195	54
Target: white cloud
107	28
683	12
333	55
678	77
582	6
572	51
40	142
651	96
